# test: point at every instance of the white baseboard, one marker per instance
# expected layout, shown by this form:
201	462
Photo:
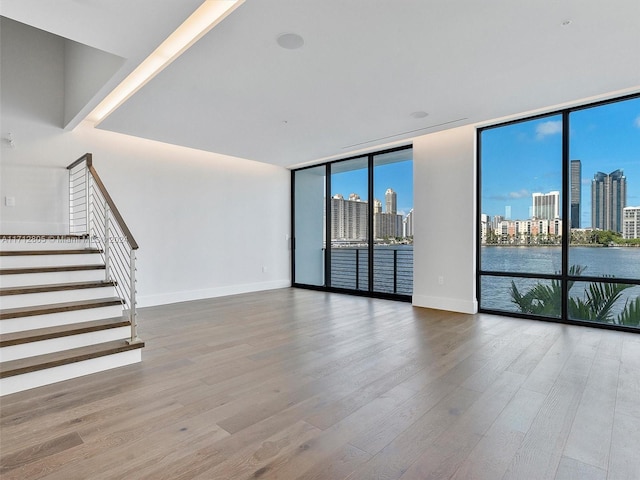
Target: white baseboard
443	303
176	297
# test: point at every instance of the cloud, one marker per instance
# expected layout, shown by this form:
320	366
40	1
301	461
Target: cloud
637	121
512	195
519	194
548	128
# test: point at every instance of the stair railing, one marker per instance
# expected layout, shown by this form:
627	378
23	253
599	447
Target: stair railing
93	213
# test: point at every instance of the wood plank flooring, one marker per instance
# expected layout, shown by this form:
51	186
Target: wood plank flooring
292	383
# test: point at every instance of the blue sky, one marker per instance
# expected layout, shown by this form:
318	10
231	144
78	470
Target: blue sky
397	176
523	158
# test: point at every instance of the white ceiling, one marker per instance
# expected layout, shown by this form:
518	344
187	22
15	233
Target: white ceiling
365	67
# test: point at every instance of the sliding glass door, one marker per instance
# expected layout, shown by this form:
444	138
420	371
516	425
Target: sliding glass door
393	222
353	224
350	224
309	220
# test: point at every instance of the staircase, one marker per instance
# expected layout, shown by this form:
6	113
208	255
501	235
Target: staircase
67	304
60	318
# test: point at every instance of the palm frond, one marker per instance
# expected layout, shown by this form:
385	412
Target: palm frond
540	300
601	297
630	316
595	304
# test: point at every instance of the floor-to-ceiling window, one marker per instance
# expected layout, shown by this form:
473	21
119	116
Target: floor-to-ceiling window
559	215
393	222
349	232
309	220
353	224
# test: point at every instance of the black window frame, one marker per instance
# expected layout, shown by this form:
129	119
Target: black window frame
327	259
564	276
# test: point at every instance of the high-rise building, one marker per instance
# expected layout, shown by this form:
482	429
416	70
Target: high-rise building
576	192
495	221
409	224
485	227
349	218
631	222
387	225
377	206
546	206
608	199
391	200
337	217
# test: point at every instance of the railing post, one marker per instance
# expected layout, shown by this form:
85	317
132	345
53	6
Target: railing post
70	202
133	316
357	268
87	200
107	260
395	270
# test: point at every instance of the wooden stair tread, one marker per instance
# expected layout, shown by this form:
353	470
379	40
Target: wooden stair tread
50	360
55	287
64	268
58	307
77	251
39	334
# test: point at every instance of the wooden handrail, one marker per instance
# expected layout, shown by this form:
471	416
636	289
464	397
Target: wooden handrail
87	157
114	210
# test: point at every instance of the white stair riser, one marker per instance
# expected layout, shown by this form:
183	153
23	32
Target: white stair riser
26	381
19	261
25	279
11	325
45	298
15	352
41	243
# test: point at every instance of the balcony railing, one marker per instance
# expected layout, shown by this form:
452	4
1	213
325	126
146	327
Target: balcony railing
392	269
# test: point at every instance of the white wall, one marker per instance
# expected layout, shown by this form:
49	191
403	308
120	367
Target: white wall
31	109
444	185
86	71
206	224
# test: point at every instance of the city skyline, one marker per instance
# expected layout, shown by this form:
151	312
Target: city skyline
350	218
397	175
526	157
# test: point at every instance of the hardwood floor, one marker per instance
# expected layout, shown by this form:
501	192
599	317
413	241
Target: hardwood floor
301	384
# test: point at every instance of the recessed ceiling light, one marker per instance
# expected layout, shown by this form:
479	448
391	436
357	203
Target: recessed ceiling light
419	114
290	41
565	23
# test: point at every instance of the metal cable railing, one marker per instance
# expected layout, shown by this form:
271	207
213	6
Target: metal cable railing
93	213
392	269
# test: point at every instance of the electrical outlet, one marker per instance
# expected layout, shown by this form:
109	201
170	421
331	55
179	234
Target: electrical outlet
440	280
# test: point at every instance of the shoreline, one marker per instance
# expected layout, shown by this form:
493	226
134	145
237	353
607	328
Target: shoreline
587	245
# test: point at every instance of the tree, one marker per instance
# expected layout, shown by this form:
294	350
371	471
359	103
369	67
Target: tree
605	237
596	305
